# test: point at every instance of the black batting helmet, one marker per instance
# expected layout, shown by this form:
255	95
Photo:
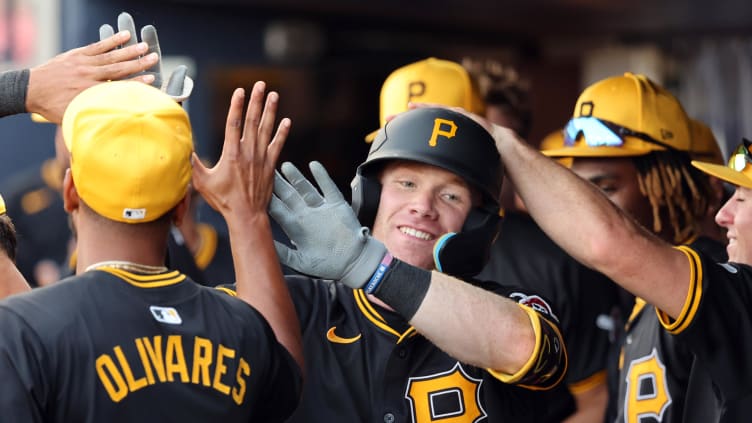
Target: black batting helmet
451	141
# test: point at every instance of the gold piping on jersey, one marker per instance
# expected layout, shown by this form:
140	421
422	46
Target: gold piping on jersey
146	281
591	382
529	366
207	246
227	291
371	314
694	295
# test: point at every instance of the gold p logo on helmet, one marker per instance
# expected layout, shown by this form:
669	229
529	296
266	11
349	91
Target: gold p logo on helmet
438	129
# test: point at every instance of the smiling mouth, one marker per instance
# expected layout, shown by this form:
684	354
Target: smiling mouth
425	236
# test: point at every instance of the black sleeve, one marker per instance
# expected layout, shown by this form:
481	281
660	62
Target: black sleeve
13	86
22	390
716	323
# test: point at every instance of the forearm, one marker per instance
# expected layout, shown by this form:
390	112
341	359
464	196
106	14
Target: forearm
475	326
605	239
13	85
260	282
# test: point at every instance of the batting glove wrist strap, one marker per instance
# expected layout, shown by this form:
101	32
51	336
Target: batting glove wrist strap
404	288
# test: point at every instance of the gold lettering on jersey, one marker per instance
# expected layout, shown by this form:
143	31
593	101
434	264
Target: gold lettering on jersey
451	397
175	359
442	127
238	392
130	368
647	389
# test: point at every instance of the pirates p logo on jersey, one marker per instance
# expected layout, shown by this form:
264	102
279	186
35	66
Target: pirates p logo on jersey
449	397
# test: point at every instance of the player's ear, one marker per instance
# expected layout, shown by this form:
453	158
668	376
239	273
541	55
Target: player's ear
181	209
71	200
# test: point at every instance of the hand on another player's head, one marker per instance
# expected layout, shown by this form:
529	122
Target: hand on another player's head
53	84
241	182
179	85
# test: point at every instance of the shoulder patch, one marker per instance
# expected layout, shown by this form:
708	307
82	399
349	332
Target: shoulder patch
535	302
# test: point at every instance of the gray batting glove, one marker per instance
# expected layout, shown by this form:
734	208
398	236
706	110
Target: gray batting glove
331	243
179	85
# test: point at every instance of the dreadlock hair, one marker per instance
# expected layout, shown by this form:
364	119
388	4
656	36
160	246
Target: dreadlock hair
8	242
676	191
501	86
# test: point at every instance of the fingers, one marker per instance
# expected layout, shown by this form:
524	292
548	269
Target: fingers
253	115
303	186
176	82
199	172
106	31
324	181
125	23
113	69
149	36
104	45
286	193
266	126
275	148
233	128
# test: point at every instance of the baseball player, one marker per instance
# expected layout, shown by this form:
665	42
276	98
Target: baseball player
387	338
128	339
12	280
588	304
621	117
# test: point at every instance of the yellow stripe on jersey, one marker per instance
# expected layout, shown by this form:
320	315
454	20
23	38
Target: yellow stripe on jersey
371	314
694	295
145	281
227	291
591	382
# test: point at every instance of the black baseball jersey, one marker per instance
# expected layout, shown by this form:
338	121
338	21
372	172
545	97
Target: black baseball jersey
586	301
366	364
661	378
716	322
114	346
33	201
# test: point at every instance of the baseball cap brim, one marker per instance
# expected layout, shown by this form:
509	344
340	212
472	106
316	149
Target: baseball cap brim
724	173
631	147
369	138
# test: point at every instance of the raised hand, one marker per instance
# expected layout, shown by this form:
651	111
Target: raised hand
178	86
241	182
331	243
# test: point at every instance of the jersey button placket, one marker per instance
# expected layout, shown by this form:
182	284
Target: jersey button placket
388	418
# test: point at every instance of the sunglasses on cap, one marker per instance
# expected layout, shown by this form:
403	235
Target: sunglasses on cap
741	157
602	133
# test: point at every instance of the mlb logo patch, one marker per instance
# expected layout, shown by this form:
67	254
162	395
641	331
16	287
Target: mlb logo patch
166	315
134	214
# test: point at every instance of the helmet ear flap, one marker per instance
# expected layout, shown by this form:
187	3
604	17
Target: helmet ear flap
366	193
465	253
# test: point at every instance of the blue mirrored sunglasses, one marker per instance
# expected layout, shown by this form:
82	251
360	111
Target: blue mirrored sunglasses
602	133
741	157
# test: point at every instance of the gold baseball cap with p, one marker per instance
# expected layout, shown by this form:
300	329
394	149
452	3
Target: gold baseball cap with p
704	145
130	148
624	116
738	171
428	81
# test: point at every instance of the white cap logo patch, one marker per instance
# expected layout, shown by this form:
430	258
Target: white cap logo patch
166	315
134	214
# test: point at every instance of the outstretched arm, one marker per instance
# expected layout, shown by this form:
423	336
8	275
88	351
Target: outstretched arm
239	187
606	239
475	326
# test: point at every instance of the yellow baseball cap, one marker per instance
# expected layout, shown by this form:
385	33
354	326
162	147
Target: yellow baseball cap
627	115
704	145
428	81
738	171
130	148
